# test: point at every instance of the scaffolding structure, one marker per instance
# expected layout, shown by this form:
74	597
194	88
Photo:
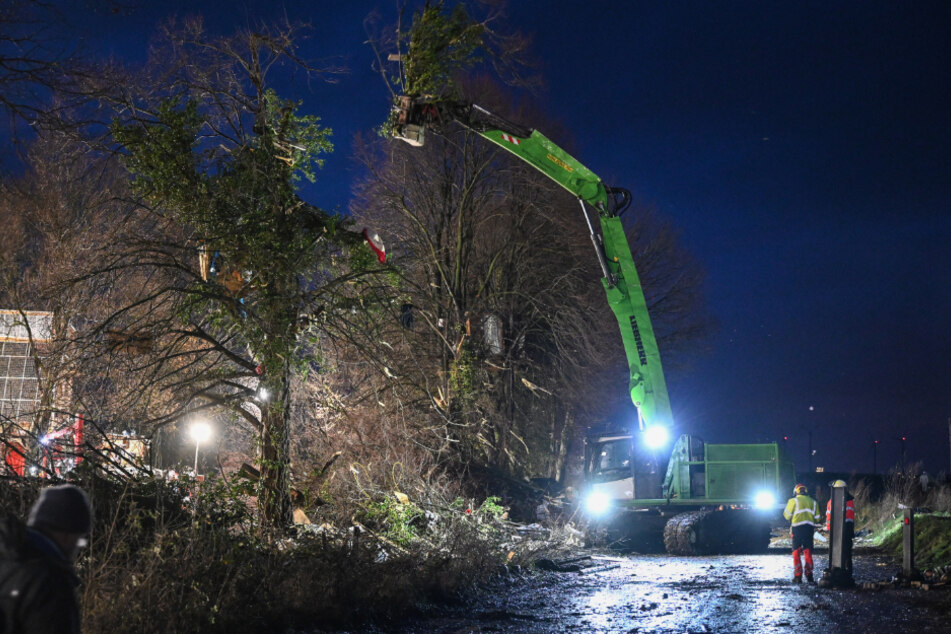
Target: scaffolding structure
25	336
20	333
19	385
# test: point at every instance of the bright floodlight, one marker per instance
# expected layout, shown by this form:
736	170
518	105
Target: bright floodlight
656	436
764	500
597	503
200	431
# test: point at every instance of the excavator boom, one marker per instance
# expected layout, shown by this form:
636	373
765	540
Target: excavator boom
620	279
682	511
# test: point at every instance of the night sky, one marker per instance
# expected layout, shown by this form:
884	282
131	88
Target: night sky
801	149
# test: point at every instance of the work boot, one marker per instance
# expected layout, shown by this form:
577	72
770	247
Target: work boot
797	579
809	578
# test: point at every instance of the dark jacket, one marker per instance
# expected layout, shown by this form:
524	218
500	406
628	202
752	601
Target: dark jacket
37	583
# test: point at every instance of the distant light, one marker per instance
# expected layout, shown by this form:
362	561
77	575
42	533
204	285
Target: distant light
764	500
597	503
820	469
44	440
263	394
656	436
200	431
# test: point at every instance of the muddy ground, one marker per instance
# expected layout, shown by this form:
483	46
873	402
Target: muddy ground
658	593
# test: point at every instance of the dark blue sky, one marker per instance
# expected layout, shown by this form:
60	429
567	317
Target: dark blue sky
801	148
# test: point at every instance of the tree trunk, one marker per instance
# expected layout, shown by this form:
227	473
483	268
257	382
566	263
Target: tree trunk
274	501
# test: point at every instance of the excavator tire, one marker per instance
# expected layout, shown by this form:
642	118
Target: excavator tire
716	532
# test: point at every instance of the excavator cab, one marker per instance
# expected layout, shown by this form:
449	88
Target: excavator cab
615	462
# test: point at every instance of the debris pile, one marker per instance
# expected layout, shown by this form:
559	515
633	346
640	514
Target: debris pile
927	580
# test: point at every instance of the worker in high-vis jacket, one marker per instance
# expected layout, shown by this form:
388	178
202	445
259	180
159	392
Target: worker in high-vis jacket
849	531
803	514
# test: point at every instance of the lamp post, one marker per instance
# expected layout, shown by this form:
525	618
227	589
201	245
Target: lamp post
810	452
874	457
903	439
200	431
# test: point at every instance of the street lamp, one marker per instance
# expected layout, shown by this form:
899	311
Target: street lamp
811	453
200	431
903	439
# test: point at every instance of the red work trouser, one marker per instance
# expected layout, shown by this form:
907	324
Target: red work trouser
797	565
802	543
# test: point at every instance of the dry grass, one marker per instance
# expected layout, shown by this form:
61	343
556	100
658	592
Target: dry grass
874	514
877	513
938	499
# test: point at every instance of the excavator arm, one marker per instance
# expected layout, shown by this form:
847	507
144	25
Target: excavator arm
414	117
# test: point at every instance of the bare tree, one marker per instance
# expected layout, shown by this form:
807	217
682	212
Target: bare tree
46	78
512	344
56	215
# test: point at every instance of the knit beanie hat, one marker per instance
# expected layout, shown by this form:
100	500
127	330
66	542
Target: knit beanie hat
64	508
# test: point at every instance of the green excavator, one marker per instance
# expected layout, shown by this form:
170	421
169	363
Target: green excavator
708	498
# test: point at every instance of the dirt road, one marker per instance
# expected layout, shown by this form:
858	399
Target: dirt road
657	593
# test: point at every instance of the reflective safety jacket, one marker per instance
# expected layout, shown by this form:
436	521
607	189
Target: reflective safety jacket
849	511
802	510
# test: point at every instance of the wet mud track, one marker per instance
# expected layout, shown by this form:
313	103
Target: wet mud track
656	593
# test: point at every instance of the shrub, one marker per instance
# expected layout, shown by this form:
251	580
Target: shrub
881	517
939	498
179	557
876	513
